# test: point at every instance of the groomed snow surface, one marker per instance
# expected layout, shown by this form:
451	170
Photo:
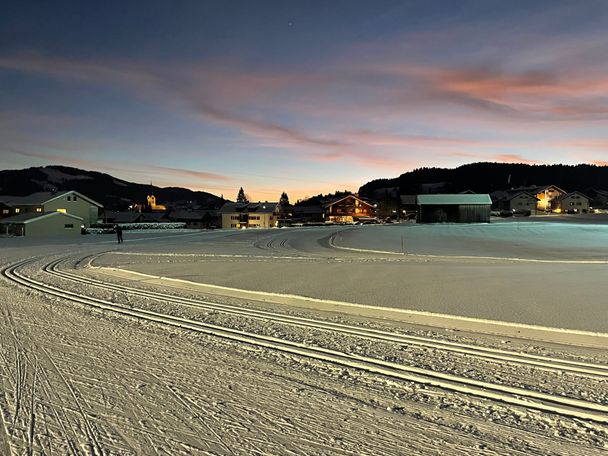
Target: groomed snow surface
380	340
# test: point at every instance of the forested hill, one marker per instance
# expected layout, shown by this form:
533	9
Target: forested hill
113	193
487	177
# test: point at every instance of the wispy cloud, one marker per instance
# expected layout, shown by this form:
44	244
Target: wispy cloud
182	89
374	138
53	158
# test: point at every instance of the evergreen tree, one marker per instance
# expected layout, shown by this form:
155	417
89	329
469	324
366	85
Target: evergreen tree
241	198
284	201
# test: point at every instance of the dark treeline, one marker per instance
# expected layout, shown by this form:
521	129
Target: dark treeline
113	193
488	177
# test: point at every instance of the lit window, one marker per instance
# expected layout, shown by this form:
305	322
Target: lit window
38	209
17	210
63	211
5	211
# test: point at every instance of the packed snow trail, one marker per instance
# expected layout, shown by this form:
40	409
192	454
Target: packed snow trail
515	396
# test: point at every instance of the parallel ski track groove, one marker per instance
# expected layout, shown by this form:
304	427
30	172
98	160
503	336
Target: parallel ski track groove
580	368
510	395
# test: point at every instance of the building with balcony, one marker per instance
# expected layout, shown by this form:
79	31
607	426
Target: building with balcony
250	215
349	209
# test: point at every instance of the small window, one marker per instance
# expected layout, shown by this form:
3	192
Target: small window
5	211
69	198
38	209
74	198
17	210
69	226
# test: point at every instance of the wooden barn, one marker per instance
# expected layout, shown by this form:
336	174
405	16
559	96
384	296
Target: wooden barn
459	208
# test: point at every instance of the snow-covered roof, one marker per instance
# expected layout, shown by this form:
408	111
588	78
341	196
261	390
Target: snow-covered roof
265	207
29	217
40	198
454	198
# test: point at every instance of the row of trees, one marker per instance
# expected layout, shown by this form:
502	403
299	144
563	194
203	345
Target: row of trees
241	197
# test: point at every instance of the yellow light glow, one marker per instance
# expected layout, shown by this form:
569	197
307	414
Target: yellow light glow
558	211
62	211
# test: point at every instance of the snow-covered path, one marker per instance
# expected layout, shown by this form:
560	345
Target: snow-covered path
159	371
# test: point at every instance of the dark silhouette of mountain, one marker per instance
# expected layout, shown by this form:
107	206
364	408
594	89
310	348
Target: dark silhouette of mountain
488	177
113	193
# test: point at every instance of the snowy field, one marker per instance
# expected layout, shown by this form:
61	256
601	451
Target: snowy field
402	339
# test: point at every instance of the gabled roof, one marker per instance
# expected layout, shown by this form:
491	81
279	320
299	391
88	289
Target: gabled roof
539	188
337	200
510	195
40	198
453	198
265	207
562	197
29	217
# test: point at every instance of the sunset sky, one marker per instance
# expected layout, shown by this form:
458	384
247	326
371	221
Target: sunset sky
301	96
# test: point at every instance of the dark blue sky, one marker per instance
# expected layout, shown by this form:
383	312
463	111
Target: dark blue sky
300	96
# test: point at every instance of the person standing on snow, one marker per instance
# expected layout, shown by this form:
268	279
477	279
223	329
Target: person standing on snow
119	233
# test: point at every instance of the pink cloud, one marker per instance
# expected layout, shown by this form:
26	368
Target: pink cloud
513	158
389	139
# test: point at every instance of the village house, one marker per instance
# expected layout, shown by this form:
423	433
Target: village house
573	202
514	201
34	224
67	202
250	215
544	194
196	219
308	214
461	208
599	199
349	209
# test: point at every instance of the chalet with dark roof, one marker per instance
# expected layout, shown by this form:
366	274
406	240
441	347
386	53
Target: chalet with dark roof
349	209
